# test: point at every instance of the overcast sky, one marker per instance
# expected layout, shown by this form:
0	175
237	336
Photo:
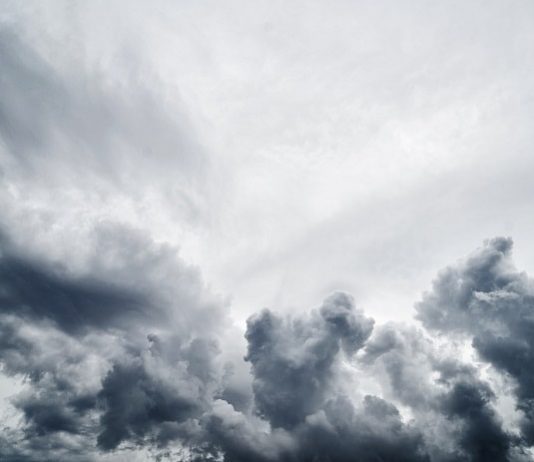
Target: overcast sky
265	153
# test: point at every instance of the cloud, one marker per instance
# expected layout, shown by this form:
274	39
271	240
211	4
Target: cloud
452	405
136	401
485	299
126	280
373	432
55	118
117	381
480	435
102	354
124	129
293	360
104	143
73	303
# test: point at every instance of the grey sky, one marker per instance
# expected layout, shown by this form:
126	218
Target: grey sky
383	136
264	154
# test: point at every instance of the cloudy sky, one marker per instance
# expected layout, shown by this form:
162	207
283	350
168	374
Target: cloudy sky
267	230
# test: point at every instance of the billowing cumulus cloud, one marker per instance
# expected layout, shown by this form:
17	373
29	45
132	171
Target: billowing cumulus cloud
489	302
293	360
110	366
159	164
111	355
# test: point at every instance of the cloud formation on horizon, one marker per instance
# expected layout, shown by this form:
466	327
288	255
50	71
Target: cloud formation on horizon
125	359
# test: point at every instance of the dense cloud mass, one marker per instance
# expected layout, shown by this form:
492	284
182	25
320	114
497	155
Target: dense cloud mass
110	367
120	360
294	360
157	161
489	302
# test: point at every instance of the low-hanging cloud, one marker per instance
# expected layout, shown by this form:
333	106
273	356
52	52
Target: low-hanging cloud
112	364
121	359
489	302
293	360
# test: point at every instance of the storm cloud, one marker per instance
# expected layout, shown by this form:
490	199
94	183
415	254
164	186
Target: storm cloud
489	302
217	225
107	357
294	359
107	370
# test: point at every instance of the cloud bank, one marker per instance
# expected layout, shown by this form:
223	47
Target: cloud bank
131	358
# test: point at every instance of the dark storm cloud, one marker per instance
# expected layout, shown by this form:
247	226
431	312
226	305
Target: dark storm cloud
158	395
107	359
128	281
30	289
480	434
136	403
443	390
293	359
294	367
57	396
47	415
131	281
98	381
373	432
489	301
338	432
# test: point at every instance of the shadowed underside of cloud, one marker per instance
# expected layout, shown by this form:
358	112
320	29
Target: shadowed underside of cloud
294	360
111	365
34	291
489	302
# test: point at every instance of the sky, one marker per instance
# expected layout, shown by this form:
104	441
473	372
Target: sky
249	218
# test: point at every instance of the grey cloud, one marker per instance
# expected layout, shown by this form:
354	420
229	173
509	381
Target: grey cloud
15	350
480	435
338	432
294	366
486	299
459	292
47	415
373	432
405	357
136	403
155	379
65	126
88	111
58	395
160	393
31	289
107	359
127	281
118	347
292	359
239	437
440	389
